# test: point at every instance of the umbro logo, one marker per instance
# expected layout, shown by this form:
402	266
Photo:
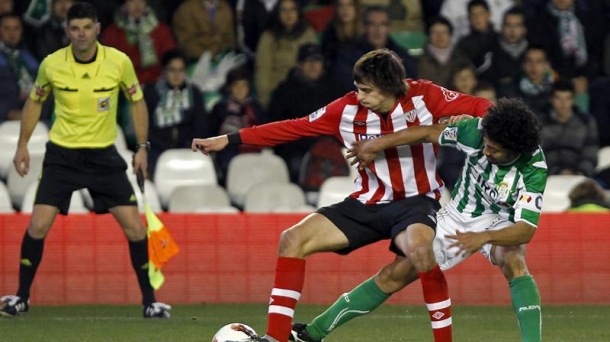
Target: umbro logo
86	76
360	123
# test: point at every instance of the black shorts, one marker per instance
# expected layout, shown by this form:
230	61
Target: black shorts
101	170
365	224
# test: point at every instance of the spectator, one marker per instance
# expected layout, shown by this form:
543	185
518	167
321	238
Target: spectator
376	35
251	18
7	6
534	84
307	77
204	25
405	15
456	11
486	90
566	33
440	57
18	67
51	36
277	48
175	108
588	197
137	32
569	137
478	44
236	110
508	51
600	108
344	28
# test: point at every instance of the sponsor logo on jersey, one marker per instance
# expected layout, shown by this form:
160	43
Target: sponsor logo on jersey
449	95
317	114
103	104
497	192
368	136
450	134
360	123
411	115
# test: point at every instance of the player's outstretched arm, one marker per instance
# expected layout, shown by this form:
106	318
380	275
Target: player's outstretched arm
29	118
208	145
364	151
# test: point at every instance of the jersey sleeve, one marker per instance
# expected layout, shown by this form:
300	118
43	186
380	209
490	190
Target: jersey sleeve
129	81
443	102
42	86
529	199
465	135
324	121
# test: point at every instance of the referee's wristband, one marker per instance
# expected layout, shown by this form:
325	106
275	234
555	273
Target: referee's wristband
234	138
145	145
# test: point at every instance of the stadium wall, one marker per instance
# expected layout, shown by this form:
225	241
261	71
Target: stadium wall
230	258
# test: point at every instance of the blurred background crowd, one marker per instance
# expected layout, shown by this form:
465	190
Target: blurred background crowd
211	67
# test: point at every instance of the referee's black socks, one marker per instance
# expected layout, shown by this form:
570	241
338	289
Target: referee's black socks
31	255
138	251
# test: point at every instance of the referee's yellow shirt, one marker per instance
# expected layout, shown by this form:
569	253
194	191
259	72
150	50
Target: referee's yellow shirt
86	95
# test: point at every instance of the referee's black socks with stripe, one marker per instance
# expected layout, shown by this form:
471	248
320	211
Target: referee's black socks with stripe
31	255
138	251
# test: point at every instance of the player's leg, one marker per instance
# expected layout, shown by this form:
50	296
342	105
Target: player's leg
524	292
361	300
313	234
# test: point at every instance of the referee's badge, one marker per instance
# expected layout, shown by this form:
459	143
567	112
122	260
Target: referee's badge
103	104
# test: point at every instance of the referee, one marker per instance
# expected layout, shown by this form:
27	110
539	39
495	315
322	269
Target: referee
85	78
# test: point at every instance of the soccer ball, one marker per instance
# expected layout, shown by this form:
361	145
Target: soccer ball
235	332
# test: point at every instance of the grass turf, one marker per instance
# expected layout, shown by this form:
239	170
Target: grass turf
198	323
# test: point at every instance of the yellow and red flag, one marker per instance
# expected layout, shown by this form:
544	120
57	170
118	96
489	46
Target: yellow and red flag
161	247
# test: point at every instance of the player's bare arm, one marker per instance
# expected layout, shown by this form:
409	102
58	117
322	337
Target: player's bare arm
469	242
364	152
140	120
208	145
30	116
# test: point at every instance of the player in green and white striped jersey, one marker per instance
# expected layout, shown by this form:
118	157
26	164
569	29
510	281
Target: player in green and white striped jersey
494	209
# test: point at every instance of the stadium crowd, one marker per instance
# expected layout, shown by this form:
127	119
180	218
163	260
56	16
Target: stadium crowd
211	67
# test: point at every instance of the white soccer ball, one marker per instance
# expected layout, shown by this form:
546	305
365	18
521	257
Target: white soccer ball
235	332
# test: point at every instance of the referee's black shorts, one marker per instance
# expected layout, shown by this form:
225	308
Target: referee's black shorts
101	170
365	224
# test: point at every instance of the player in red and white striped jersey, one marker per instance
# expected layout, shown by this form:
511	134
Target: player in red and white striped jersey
396	198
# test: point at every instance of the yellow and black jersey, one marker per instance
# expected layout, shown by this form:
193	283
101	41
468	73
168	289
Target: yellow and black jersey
86	95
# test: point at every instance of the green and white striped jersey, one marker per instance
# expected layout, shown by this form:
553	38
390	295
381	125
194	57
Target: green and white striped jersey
513	191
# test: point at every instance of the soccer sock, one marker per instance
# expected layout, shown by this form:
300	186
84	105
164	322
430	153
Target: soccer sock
363	299
31	255
526	304
138	251
289	280
436	295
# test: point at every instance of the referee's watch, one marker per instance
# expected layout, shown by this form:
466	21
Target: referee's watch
145	145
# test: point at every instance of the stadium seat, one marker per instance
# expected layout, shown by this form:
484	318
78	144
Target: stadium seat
178	167
557	189
6	207
276	197
247	170
603	158
204	198
412	41
335	189
17	185
77	205
9	135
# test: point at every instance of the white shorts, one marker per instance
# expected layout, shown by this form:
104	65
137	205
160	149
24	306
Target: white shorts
450	220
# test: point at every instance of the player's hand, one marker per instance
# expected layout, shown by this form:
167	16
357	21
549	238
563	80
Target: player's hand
456	118
468	242
361	152
210	144
22	161
140	162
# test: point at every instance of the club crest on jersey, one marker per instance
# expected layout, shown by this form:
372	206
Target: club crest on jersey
317	114
411	115
503	190
450	95
368	136
103	104
450	134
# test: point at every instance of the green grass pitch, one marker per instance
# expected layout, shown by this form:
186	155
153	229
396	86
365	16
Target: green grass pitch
197	323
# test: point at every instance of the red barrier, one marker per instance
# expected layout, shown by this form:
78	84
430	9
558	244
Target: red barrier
230	258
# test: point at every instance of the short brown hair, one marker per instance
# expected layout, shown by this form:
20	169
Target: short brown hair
382	68
587	190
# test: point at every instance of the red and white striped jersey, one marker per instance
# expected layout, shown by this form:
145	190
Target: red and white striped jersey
397	172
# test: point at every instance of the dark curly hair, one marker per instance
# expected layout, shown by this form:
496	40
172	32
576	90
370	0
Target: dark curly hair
513	125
